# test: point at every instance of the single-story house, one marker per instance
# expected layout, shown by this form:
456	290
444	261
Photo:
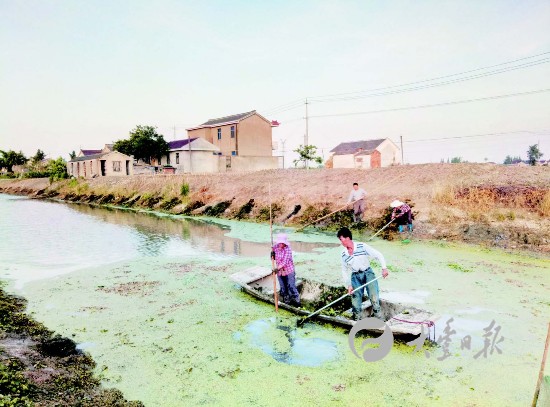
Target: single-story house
192	155
111	163
366	154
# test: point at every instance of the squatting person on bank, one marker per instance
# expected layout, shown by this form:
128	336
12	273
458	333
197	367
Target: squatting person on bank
356	271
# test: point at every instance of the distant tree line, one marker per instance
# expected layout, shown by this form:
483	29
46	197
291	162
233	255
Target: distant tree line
454	160
35	165
533	156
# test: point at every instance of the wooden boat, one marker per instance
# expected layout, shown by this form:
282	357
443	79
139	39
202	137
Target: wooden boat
403	320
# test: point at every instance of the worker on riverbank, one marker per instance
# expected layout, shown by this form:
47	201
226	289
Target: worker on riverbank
357	196
402	213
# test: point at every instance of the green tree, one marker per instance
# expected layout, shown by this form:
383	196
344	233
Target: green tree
534	154
57	169
510	160
457	160
39	156
144	144
307	154
11	158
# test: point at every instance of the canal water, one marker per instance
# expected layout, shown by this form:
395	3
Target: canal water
149	296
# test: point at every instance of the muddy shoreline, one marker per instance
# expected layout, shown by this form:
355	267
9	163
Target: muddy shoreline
38	367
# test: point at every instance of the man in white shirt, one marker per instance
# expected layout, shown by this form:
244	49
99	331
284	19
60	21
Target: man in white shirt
356	271
357	196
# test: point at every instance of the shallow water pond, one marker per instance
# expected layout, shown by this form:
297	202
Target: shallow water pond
151	300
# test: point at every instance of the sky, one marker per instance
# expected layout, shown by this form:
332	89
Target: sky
80	74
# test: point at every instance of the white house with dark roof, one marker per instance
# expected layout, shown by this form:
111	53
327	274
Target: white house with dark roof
244	139
366	154
192	155
110	163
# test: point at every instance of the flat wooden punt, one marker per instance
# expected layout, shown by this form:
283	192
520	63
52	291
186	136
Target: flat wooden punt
258	282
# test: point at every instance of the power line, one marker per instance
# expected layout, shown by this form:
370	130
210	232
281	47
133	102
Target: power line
286	104
284	108
358	94
477	135
341	99
533	132
433	79
435	104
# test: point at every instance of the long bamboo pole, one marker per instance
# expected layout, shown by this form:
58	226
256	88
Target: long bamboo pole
273	265
541	373
301	322
326	216
376	234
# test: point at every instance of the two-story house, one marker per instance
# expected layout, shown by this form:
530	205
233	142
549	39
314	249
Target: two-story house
245	139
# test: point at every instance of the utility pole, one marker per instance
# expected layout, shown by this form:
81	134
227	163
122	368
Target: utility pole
402	160
306	135
283	151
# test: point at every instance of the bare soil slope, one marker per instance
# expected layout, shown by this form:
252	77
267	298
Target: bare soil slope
484	203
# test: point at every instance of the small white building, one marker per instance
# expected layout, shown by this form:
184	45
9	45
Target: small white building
193	155
111	163
366	154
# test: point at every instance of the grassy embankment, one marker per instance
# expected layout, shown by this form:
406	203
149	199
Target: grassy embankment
490	204
40	368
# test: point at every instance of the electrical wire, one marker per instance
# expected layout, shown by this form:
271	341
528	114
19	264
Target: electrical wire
386	90
434	104
340	99
436	78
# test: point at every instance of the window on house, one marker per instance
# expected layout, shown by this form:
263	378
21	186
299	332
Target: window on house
233	153
232	131
219	134
116	166
177	158
168	159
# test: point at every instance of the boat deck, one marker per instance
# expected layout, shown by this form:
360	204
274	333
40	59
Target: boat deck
258	282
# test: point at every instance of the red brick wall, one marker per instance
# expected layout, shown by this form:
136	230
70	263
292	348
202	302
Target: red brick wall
375	159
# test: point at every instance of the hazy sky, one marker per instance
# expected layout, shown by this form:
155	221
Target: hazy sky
79	74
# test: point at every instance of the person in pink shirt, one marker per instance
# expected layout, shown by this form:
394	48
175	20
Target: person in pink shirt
285	271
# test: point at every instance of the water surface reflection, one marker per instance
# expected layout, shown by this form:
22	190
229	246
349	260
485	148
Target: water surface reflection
203	235
42	239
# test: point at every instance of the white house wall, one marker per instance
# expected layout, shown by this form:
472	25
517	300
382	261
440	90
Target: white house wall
390	153
343	161
92	167
201	161
116	156
254	163
362	161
